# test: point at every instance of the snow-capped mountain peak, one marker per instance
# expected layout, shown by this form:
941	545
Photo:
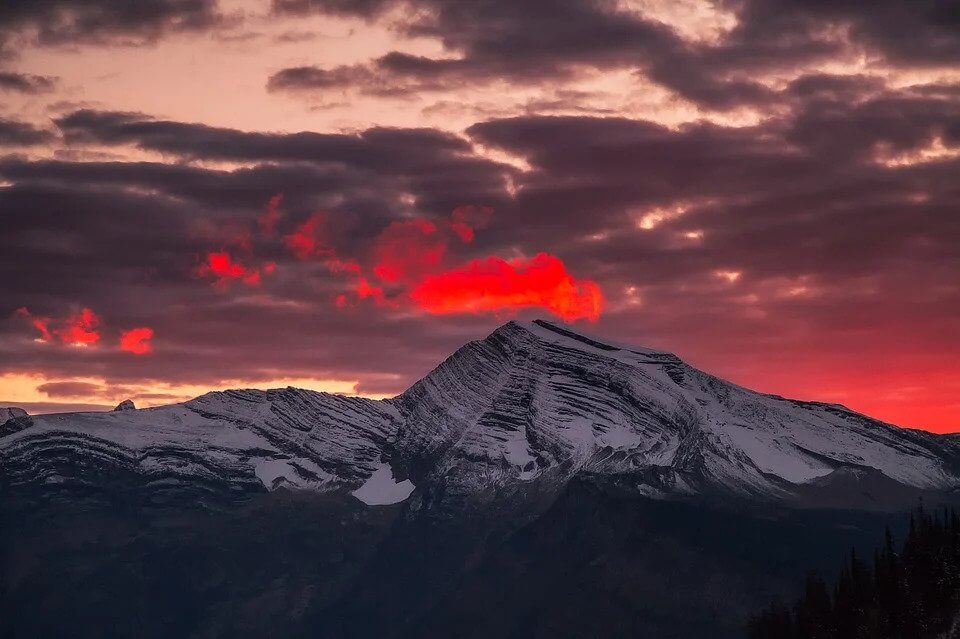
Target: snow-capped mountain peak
530	406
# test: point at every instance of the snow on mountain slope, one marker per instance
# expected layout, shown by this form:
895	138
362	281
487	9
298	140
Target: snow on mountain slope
537	398
533	404
233	440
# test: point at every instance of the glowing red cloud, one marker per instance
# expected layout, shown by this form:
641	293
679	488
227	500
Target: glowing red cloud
408	257
337	265
407	250
466	219
80	329
495	284
271	216
226	269
310	239
137	341
364	290
42	324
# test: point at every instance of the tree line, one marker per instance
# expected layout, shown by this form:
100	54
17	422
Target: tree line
908	591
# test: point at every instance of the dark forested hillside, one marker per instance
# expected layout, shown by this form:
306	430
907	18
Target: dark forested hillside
905	591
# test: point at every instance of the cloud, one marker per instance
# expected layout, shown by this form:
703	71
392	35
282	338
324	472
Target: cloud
492	42
271	216
494	284
60	22
360	8
310	239
409	258
41	324
408	249
70	389
137	341
438	169
81	329
466	219
26	82
15	133
368	148
225	269
716	68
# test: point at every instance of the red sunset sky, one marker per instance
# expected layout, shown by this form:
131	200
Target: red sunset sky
336	194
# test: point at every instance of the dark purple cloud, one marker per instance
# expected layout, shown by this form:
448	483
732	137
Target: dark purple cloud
26	82
15	133
497	42
54	22
494	40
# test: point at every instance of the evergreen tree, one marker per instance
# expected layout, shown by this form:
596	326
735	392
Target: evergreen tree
908	593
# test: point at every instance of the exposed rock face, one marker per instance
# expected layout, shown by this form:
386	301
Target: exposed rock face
126	404
525	409
10	412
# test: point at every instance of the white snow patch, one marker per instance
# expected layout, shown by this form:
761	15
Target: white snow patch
516	450
619	436
381	488
268	471
774	454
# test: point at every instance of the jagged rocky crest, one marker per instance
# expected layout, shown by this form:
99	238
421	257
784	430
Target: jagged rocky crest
521	412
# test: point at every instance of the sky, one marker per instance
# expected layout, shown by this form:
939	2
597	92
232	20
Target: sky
337	194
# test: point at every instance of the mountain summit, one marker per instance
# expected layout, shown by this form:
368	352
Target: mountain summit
537	483
524	410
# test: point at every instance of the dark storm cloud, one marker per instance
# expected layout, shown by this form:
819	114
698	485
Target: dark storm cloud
373	147
804	196
437	168
497	40
925	32
901	121
26	82
14	133
99	21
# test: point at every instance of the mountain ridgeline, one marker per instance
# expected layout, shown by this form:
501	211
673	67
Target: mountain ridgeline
538	482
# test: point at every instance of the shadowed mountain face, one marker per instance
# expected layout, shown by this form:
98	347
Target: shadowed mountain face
537	483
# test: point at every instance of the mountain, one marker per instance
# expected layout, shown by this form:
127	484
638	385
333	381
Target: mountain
533	457
533	403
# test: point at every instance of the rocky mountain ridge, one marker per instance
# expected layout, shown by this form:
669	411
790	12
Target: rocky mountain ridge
526	409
